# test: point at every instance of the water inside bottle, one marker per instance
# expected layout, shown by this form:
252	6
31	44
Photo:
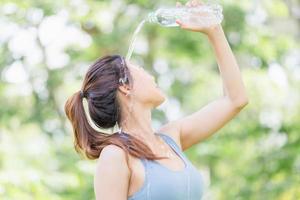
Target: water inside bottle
167	17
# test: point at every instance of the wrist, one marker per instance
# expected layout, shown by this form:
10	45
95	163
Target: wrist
214	32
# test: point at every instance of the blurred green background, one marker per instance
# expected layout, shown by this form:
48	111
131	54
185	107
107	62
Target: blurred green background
46	47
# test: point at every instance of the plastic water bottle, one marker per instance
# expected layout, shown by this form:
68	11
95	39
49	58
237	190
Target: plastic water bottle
202	15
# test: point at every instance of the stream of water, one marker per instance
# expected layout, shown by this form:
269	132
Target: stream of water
133	39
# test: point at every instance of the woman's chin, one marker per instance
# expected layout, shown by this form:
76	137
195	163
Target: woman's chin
161	98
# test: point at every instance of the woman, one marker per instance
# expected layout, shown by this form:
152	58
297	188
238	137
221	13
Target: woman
138	162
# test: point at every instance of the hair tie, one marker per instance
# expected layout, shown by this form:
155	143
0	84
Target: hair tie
82	94
123	80
122	61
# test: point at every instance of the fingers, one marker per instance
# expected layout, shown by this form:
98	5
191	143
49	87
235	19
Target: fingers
193	3
178	4
188	4
180	23
200	3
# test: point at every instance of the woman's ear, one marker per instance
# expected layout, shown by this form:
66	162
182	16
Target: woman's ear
125	89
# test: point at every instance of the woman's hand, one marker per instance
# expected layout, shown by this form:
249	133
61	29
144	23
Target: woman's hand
194	27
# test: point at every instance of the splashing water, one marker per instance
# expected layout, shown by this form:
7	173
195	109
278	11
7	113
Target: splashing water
132	42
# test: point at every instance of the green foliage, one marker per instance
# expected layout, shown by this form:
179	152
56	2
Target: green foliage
255	156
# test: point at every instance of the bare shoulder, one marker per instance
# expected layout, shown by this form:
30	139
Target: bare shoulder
112	154
111	174
172	129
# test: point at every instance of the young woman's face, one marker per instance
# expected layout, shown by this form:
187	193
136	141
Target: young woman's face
145	90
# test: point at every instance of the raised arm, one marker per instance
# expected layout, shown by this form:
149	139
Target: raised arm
203	123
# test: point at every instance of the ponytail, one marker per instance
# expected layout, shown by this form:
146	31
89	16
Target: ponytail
89	123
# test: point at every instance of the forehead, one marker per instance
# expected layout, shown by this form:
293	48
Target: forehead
132	66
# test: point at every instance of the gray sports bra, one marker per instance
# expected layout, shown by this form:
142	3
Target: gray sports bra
162	183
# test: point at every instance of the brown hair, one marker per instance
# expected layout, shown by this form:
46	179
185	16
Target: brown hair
100	90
